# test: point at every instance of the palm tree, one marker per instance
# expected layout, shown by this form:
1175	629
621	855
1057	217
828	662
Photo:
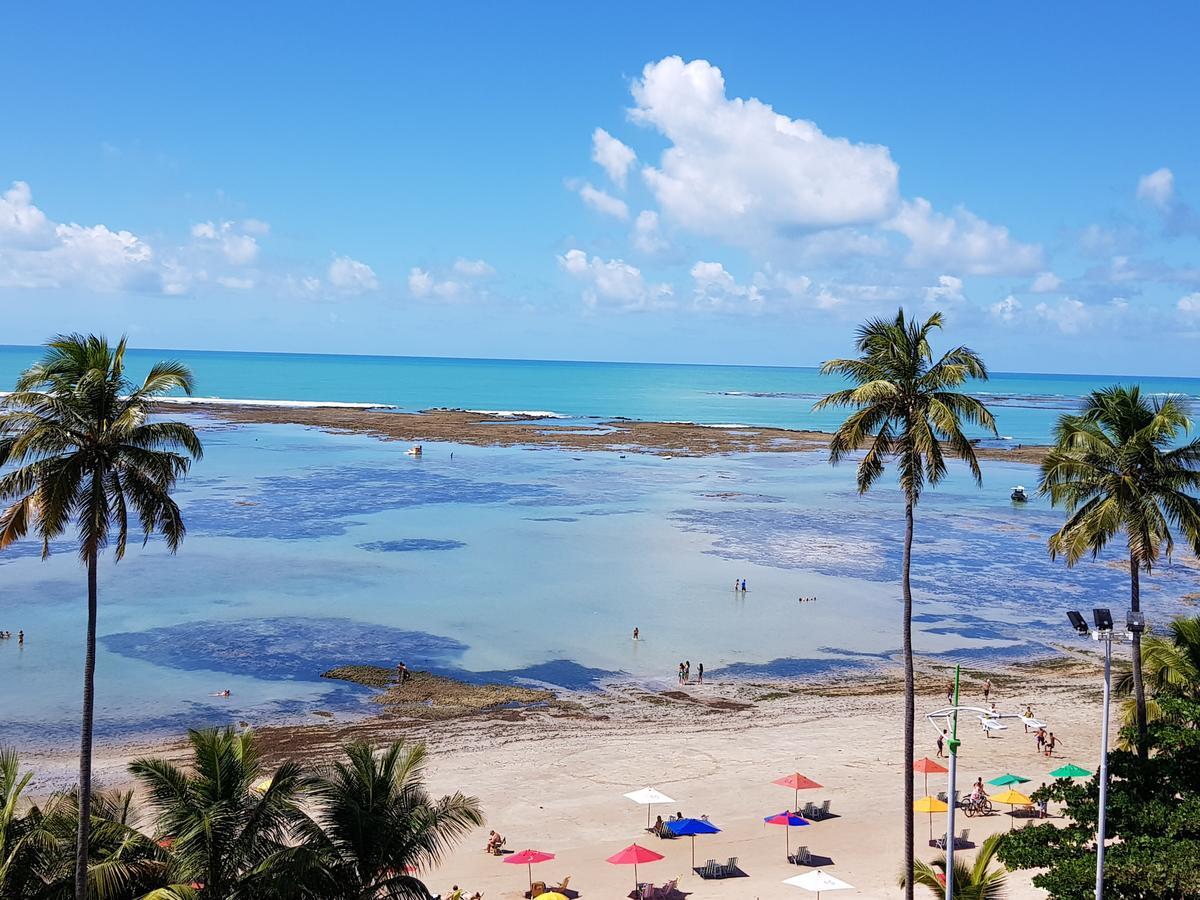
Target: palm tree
906	410
1116	468
1171	667
76	430
229	824
20	835
974	882
378	825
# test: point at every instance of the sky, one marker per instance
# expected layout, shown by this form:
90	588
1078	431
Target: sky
673	182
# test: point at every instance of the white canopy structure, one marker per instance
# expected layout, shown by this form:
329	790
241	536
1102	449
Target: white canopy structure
817	881
647	797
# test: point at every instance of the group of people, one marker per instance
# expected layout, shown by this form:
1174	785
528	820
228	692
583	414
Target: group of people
739	585
806	599
660	827
685	672
1046	742
987	690
7	635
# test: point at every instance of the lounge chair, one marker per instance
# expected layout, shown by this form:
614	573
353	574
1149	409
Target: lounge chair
562	888
940	843
731	867
823	812
963	839
668	889
941	795
711	870
802	856
809	811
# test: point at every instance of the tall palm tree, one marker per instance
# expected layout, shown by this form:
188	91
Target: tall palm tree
1116	468
378	826
229	824
1170	666
76	430
977	881
906	409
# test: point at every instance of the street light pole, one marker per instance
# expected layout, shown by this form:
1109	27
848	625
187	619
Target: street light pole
1103	811
952	797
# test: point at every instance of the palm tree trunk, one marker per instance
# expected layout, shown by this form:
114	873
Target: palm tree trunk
909	701
1139	686
85	738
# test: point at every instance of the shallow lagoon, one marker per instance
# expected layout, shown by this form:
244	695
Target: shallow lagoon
307	549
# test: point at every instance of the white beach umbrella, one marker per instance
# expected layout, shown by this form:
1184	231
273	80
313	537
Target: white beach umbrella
817	881
647	797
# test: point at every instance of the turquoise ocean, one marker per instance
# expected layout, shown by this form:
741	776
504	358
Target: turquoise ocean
307	549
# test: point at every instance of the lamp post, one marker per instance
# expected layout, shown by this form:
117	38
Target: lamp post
1104	632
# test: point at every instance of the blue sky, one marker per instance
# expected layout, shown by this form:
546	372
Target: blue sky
406	179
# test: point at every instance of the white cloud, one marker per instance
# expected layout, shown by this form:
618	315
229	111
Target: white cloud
613	282
349	276
424	285
1006	310
238	247
962	242
473	268
604	202
37	252
948	290
1069	314
1157	188
738	170
613	156
840	243
236	284
21	223
256	226
1046	283
646	234
714	288
1189	306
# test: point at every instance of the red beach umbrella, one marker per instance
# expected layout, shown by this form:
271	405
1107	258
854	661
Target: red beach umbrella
797	783
927	767
528	858
787	820
631	856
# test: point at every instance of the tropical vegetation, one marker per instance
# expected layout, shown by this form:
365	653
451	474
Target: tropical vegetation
81	450
1118	467
977	880
906	410
228	827
1171	666
1153	820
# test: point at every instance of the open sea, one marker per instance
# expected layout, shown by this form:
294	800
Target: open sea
307	549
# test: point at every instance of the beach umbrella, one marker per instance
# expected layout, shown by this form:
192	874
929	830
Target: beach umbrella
550	895
648	797
631	856
528	858
1070	771
929	805
260	786
1013	799
817	881
787	820
927	767
1007	780
797	783
691	828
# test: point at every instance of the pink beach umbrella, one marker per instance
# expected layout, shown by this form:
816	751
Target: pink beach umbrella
787	820
528	858
631	856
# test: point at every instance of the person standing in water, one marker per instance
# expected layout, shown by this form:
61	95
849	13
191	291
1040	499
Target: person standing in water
635	632
743	585
21	638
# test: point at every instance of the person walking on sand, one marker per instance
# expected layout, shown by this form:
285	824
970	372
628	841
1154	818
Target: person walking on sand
1028	715
949	693
987	689
700	674
1041	739
941	744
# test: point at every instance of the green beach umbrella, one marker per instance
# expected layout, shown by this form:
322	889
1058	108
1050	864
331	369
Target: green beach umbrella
1070	771
1008	779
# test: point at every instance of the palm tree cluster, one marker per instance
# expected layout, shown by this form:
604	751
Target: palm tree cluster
227	828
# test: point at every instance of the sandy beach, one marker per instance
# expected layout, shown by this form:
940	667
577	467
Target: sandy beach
553	780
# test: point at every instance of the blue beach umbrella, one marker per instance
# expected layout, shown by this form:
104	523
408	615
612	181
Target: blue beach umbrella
691	828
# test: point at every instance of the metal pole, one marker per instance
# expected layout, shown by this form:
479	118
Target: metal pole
951	798
1103	812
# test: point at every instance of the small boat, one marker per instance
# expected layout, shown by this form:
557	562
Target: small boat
1018	495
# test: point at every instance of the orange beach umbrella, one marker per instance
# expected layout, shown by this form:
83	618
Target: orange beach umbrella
797	783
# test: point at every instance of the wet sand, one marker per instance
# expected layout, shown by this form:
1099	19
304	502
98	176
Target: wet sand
621	435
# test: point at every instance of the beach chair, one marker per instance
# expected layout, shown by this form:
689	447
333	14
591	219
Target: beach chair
802	856
823	812
668	889
940	843
730	868
711	870
941	795
562	888
808	810
963	839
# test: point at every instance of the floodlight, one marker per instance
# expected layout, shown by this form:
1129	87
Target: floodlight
1103	619
1077	622
1135	622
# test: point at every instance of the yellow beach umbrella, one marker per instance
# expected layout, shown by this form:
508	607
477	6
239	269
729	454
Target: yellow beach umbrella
260	786
553	895
929	805
1013	799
